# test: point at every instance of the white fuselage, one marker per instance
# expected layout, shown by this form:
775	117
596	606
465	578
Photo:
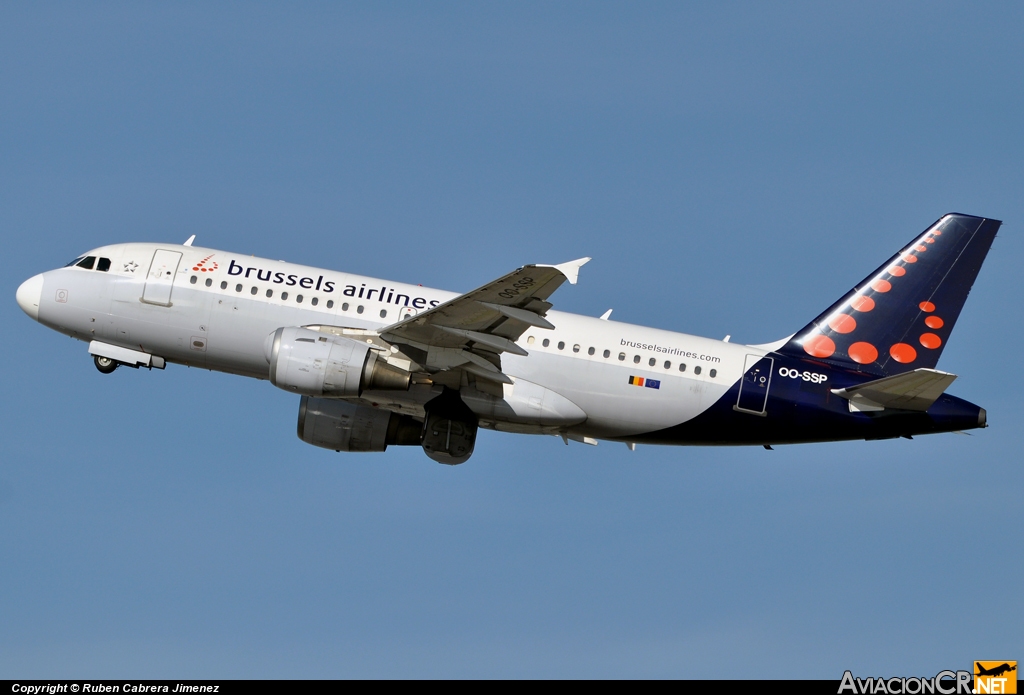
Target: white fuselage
216	310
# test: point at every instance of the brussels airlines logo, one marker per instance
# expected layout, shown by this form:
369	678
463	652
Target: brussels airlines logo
206	265
383	294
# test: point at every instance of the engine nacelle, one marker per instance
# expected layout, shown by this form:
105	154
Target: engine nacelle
342	426
317	364
449	431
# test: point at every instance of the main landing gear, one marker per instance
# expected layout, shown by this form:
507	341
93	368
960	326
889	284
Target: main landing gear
104	364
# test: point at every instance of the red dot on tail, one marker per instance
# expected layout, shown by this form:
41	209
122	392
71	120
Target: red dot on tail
926	306
903	353
929	240
842	323
863	303
934	322
921	248
819	346
881	285
909	258
863	353
930	340
897	271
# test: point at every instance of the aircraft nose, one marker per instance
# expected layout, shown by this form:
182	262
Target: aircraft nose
29	294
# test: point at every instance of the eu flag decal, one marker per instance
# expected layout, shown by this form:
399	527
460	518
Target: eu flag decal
652	384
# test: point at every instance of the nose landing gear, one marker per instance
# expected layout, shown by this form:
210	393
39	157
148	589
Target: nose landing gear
104	364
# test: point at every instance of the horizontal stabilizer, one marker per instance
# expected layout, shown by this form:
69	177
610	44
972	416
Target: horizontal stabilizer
915	390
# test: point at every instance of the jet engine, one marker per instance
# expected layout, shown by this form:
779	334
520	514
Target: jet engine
316	364
342	426
449	431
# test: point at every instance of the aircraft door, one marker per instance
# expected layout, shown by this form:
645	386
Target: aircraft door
757	377
406	312
160	279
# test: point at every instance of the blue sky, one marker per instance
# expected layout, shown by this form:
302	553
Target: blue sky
732	168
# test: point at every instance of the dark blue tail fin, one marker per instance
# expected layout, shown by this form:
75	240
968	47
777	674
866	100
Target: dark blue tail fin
899	317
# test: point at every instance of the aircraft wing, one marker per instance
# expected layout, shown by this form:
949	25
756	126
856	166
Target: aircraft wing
473	329
915	390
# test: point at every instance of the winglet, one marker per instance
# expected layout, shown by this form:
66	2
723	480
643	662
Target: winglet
190	240
570	269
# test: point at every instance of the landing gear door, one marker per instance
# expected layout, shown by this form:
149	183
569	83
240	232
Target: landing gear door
160	278
757	378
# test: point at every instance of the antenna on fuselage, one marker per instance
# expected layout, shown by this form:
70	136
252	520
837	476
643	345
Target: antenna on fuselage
190	240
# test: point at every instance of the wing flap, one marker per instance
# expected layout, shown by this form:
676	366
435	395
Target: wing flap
916	390
490	318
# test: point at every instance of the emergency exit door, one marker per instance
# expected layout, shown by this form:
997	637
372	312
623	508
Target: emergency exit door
160	278
757	378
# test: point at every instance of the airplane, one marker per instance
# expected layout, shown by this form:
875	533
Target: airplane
995	671
379	363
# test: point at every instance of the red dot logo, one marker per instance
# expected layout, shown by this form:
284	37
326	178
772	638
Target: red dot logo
863	353
897	271
842	323
863	304
926	306
934	322
920	248
819	346
909	258
930	340
881	285
903	353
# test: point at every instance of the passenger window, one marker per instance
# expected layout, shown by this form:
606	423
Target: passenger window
314	301
344	307
383	313
298	299
103	265
224	284
682	367
209	282
607	353
330	303
576	348
636	359
590	351
696	370
238	287
622	357
192	280
713	373
561	344
254	290
284	296
359	309
651	362
546	342
668	365
87	262
270	293
530	340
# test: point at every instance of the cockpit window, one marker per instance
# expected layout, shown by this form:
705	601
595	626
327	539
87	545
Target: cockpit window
87	262
103	265
74	262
